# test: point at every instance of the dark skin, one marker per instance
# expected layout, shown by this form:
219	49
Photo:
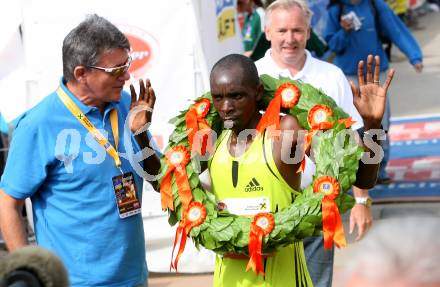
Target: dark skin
145	103
369	99
236	101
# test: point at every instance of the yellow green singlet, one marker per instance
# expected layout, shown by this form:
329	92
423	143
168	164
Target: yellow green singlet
247	185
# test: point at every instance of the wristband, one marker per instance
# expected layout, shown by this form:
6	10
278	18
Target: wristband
367	201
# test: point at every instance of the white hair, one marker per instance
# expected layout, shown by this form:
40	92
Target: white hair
288	4
405	250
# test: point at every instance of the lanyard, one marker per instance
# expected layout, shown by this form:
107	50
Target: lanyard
76	112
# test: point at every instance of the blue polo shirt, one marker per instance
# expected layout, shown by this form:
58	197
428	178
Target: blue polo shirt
3	125
68	176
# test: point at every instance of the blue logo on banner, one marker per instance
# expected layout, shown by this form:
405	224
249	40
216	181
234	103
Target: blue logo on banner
222	4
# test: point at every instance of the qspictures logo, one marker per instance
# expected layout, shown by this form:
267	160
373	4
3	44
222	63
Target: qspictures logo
144	50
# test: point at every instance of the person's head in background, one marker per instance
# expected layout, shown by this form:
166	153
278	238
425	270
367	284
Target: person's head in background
248	5
287	27
244	6
402	252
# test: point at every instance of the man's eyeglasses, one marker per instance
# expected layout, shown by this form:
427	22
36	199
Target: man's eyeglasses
115	71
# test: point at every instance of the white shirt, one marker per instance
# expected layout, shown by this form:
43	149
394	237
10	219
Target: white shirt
322	75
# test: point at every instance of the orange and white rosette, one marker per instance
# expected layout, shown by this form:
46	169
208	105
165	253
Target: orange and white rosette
318	118
286	96
290	95
202	108
331	219
193	216
176	159
195	121
262	225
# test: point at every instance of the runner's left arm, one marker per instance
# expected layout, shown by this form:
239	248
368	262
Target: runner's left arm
142	107
369	98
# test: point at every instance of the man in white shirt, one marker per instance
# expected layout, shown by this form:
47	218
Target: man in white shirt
287	27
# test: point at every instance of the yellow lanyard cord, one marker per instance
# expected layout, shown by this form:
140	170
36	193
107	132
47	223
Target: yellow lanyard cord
76	112
115	128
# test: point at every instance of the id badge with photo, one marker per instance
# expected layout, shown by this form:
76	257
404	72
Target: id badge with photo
126	195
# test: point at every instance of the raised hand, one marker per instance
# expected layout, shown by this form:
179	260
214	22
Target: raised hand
369	97
141	109
418	67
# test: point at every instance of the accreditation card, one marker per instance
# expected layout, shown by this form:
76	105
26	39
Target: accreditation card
126	195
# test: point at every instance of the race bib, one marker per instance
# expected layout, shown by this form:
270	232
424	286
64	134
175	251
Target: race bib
245	206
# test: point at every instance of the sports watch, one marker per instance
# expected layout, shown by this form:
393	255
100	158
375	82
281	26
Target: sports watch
364	200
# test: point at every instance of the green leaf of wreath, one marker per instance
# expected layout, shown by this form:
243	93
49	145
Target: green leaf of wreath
335	154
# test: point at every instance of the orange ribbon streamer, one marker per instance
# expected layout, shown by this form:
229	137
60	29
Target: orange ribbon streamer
323	124
176	158
166	191
193	216
271	116
348	122
262	224
308	140
202	147
195	121
331	219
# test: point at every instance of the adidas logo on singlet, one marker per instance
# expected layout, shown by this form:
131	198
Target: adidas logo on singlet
253	185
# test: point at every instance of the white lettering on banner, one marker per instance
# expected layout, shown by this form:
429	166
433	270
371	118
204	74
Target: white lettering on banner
414	131
144	49
415	169
403	175
414	142
409	185
139	55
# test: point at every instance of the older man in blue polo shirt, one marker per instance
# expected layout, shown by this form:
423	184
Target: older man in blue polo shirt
76	158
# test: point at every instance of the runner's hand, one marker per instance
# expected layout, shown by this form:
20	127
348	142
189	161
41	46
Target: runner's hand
360	216
369	97
141	108
418	67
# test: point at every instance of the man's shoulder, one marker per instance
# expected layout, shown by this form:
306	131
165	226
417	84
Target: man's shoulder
42	113
324	68
262	62
266	65
315	67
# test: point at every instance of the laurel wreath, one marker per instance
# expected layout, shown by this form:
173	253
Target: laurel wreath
223	232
